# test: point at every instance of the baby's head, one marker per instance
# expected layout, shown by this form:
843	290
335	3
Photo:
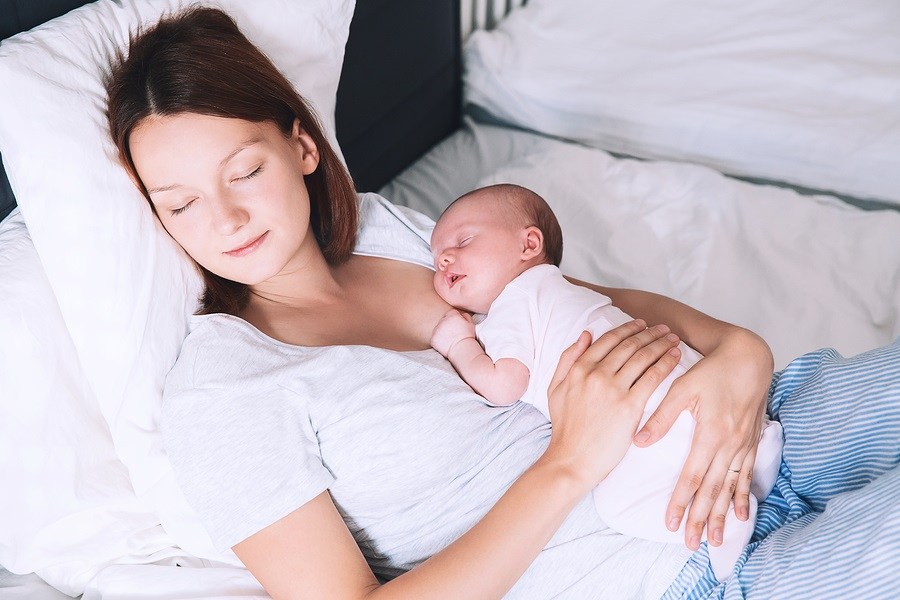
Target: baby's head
487	238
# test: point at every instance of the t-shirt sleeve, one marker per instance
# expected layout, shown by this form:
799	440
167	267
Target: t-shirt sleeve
243	458
395	232
506	331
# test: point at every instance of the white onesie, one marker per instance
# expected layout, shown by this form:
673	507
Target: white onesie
537	316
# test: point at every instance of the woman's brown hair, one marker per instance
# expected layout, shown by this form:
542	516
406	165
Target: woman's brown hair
198	61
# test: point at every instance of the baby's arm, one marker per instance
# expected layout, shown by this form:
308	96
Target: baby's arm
502	382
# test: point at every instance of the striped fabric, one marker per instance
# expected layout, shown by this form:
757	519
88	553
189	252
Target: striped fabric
831	526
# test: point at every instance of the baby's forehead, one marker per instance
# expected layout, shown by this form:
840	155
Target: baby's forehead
480	205
467	214
483	208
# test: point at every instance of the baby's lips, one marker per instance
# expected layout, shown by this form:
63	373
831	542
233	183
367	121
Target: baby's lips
452	278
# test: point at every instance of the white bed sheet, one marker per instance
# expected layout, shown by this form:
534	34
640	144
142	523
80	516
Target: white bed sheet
27	587
143	582
802	271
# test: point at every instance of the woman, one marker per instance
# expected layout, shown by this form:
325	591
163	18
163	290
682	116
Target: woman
307	421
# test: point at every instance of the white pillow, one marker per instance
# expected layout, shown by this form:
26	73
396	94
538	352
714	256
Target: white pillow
125	290
68	508
802	92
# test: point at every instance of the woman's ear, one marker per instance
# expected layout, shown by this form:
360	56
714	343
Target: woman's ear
532	242
306	148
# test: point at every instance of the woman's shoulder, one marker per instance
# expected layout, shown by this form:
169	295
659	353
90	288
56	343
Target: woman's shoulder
219	350
390	231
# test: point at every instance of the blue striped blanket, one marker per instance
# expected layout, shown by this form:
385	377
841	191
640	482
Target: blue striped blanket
831	526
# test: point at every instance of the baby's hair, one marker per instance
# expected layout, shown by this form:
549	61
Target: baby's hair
531	210
198	61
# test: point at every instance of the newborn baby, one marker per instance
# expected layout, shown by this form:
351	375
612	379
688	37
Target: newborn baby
496	254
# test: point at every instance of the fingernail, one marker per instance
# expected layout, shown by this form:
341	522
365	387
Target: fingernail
641	438
672	337
742	513
673	524
640	322
717	536
694	543
675	351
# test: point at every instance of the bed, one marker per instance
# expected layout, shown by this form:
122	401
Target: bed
743	162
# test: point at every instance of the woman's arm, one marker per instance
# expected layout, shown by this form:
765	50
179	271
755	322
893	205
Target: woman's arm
596	399
726	394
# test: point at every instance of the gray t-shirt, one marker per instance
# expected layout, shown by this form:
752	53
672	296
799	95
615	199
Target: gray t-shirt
410	454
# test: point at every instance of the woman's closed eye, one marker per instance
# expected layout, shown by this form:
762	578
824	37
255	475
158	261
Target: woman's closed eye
250	175
178	211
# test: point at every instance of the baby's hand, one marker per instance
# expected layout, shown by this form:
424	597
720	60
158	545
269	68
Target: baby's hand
453	327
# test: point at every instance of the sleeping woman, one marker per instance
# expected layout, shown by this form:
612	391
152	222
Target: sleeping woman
316	433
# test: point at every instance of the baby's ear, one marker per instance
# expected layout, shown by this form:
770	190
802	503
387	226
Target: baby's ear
532	242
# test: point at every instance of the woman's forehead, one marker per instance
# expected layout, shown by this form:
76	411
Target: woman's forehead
162	146
196	127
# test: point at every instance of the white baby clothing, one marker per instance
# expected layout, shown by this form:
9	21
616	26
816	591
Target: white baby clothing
537	316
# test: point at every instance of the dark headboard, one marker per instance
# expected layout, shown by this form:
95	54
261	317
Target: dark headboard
400	90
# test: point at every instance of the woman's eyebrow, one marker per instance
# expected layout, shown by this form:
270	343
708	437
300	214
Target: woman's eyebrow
164	188
244	145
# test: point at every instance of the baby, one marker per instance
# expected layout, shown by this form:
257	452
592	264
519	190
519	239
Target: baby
496	253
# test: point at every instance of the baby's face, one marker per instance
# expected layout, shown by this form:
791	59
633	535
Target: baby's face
475	254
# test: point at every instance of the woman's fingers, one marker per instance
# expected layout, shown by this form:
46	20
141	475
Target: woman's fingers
595	407
716	524
742	493
651	362
567	359
699	462
663	417
712	487
618	345
613	340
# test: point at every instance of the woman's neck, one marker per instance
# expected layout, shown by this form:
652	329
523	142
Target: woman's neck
306	281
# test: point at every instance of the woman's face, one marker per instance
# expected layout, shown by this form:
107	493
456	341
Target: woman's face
230	191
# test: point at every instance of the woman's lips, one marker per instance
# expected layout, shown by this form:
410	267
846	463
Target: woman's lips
245	250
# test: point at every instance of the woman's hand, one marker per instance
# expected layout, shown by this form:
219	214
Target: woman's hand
726	393
598	393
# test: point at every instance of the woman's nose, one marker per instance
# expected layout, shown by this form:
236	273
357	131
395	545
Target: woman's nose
228	216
